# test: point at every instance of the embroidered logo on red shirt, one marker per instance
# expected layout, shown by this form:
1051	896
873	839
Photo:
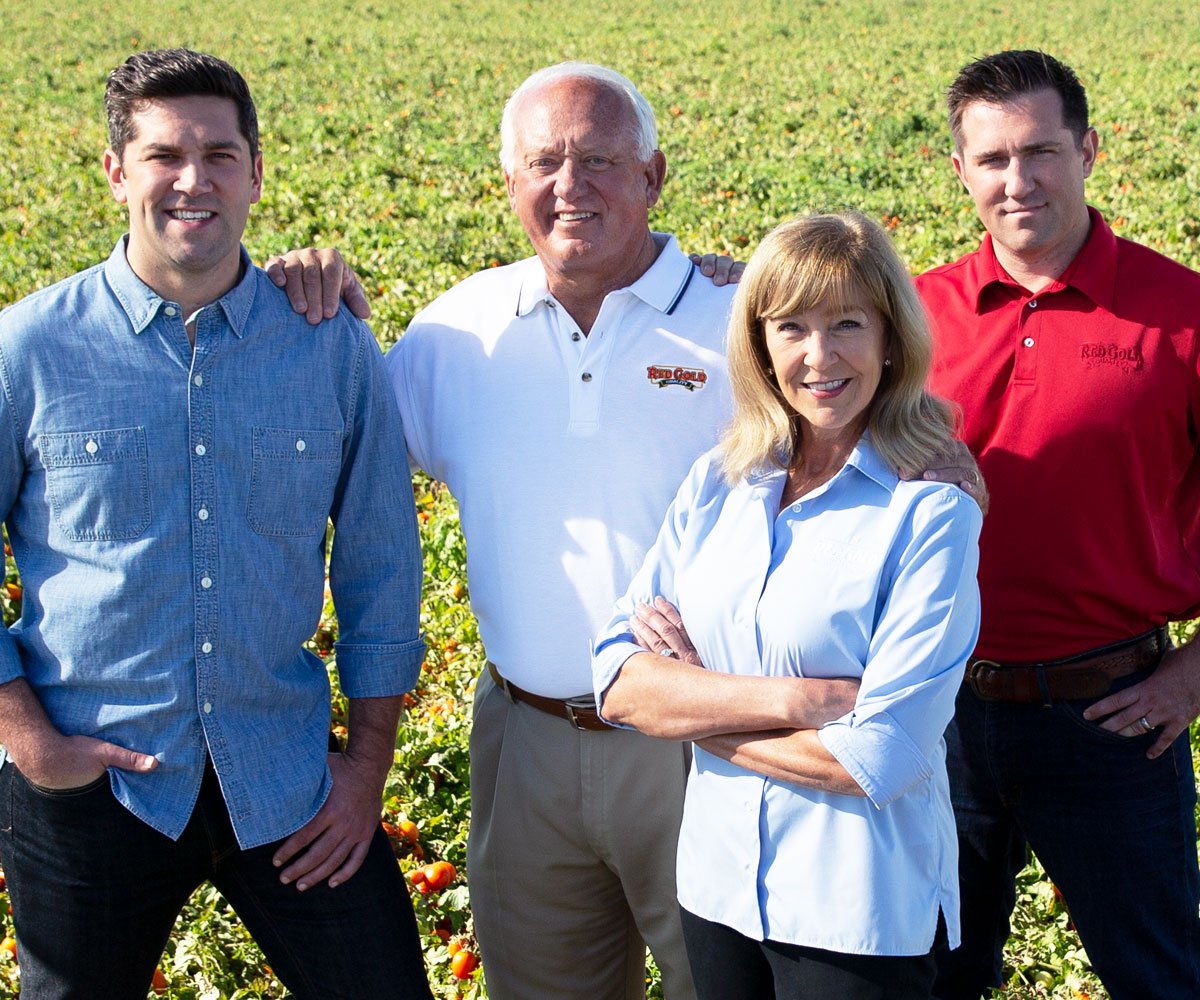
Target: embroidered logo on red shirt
690	378
1128	359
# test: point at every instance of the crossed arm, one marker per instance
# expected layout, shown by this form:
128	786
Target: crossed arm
765	724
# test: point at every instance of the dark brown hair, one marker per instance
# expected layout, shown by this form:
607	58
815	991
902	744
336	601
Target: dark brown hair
165	73
999	78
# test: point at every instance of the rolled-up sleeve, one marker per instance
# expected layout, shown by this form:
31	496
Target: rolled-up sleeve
926	629
375	563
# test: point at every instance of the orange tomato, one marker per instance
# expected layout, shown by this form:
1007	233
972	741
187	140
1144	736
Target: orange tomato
439	874
463	964
408	830
9	945
160	982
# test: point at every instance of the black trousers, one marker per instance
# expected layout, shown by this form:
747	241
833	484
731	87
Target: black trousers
727	965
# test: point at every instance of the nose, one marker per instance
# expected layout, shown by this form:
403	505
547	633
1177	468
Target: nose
192	178
568	180
1018	179
819	351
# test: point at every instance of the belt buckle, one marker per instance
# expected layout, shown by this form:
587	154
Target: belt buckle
578	704
972	675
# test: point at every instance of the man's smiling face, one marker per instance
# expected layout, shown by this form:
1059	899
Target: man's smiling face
580	189
189	178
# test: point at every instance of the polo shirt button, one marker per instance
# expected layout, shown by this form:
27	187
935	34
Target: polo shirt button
207	707
202	513
797	507
198	380
200	449
91	447
300	445
1033	303
586	376
206	648
206	582
575	335
170	310
1028	341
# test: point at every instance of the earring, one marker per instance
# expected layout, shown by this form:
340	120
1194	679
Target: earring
887	362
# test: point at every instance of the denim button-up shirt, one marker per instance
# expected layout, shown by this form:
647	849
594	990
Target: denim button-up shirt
168	508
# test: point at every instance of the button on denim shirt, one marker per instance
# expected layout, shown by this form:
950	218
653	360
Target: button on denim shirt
168	510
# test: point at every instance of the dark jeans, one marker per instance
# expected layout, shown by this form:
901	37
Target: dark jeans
1114	830
727	965
95	893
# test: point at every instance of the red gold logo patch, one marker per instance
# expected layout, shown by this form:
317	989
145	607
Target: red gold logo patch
1128	359
690	378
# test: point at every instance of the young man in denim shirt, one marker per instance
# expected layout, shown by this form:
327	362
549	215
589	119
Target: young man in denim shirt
172	448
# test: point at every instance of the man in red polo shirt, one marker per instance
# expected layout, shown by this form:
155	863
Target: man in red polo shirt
1074	356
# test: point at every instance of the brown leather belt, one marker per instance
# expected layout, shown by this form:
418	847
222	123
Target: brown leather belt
580	712
1087	675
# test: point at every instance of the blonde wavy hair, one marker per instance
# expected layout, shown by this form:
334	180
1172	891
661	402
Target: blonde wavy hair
835	258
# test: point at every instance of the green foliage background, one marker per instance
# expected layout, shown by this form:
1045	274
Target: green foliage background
379	124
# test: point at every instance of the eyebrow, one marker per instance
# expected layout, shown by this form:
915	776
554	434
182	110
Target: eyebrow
218	144
1028	147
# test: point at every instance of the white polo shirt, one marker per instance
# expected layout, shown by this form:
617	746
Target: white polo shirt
563	451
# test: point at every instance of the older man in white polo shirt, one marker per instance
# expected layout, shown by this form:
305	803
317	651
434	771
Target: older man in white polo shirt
562	399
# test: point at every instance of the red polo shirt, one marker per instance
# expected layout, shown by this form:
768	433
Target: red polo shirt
1082	405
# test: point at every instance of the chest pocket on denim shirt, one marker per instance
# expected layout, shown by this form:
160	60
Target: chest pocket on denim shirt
98	482
292	481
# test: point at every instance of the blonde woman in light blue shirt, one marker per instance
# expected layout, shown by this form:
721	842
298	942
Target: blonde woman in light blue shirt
804	617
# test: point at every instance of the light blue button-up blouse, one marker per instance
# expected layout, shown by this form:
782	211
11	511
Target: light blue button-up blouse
867	576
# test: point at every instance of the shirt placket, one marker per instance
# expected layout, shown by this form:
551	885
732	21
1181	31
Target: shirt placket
587	379
204	510
1029	327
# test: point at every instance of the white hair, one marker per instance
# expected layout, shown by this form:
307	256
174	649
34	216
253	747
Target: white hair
644	130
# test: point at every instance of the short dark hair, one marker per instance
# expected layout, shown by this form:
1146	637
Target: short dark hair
999	78
166	73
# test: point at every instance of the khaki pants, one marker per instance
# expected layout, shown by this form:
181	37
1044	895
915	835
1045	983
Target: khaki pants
571	855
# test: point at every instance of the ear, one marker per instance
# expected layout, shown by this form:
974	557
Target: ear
957	160
510	185
656	175
256	179
115	176
1089	147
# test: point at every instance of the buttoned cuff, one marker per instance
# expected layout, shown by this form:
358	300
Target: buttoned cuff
878	754
378	670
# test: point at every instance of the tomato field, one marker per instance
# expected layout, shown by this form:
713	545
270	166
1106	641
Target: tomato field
380	135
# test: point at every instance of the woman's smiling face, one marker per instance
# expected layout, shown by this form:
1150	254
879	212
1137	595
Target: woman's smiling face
828	361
